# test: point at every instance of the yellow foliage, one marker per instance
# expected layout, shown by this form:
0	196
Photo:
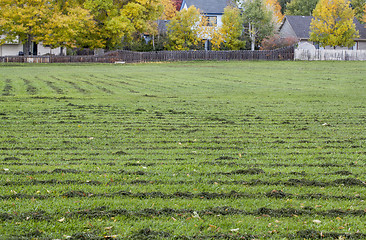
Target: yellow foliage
227	36
169	9
275	7
186	29
333	24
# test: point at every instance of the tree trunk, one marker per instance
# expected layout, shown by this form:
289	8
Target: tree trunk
153	41
252	36
27	45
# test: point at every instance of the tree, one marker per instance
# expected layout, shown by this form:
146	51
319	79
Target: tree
228	35
283	4
364	16
69	26
58	23
332	24
170	9
118	20
301	7
358	6
275	7
185	29
259	21
23	20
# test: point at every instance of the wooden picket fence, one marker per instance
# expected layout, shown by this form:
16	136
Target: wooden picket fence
161	56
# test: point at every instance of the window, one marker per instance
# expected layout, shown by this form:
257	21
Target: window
211	21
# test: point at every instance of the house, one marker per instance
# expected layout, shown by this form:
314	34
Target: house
299	27
212	9
16	48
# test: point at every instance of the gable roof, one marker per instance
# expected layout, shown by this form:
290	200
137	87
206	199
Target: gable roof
301	26
207	6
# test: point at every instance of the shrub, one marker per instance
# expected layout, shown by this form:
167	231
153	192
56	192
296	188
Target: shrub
276	41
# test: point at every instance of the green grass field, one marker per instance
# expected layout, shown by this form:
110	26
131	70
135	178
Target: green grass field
193	150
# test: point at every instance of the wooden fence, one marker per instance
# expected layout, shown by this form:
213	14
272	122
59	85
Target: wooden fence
163	56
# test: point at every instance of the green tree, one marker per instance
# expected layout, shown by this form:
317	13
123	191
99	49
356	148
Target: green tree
185	29
283	4
301	7
333	24
118	20
359	6
259	21
229	34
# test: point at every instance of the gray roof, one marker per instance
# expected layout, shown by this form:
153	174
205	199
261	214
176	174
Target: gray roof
301	26
208	6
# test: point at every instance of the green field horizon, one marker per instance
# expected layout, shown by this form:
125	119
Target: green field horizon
183	150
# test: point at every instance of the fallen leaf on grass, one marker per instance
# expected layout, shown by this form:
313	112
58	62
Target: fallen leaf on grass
108	228
234	229
61	220
112	236
317	221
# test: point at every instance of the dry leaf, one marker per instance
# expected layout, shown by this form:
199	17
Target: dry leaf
234	230
317	221
61	220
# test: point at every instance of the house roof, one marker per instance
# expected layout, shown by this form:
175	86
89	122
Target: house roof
301	26
207	6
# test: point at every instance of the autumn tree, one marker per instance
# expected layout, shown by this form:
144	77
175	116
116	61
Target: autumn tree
170	9
229	34
333	24
23	20
69	25
185	29
122	20
258	20
301	7
283	4
275	7
359	6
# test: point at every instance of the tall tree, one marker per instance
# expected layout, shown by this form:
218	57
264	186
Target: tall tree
69	26
229	34
301	7
275	7
23	20
120	19
333	24
170	9
283	4
358	6
258	20
185	29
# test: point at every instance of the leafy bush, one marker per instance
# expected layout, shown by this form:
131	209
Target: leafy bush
276	41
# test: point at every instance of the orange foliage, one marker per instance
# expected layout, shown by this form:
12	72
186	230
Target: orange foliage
275	7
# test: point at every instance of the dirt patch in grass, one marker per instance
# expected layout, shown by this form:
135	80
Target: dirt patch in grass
8	88
54	87
148	233
250	171
31	90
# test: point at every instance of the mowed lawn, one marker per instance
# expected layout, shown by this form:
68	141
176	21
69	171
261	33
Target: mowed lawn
190	150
